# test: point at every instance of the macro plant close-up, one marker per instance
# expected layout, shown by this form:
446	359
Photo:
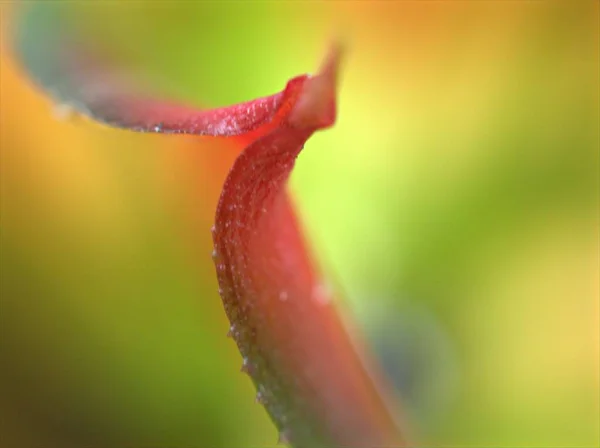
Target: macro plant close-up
301	223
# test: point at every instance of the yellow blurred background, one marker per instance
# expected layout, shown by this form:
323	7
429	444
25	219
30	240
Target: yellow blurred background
455	202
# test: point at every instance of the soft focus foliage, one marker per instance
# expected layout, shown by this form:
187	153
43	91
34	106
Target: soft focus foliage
456	201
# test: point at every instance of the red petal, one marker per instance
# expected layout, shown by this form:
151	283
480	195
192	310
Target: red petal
85	81
296	349
304	366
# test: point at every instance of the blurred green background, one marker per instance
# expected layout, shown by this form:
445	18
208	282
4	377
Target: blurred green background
455	203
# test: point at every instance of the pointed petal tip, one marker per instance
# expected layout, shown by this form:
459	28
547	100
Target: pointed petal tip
316	106
333	59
